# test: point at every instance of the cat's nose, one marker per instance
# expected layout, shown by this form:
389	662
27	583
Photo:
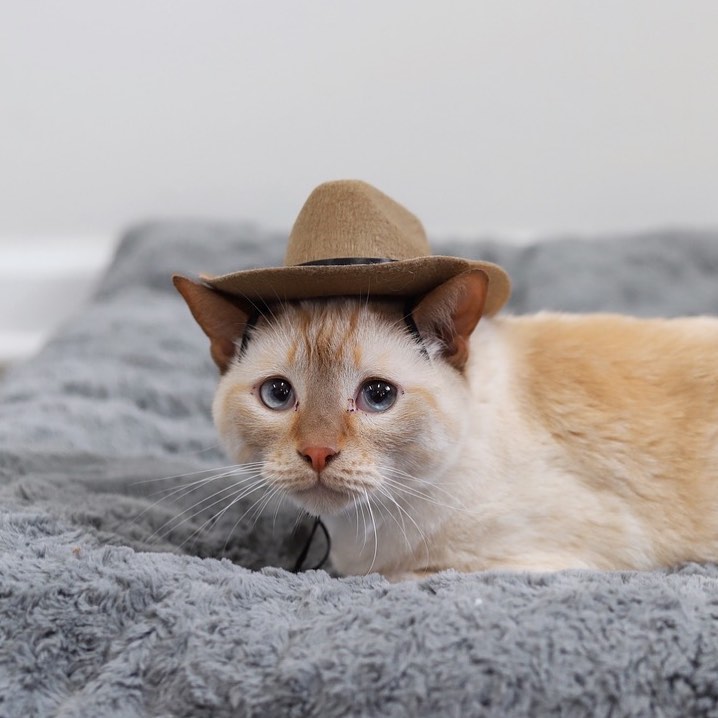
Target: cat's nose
317	456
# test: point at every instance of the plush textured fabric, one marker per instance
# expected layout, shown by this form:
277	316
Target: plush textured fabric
99	617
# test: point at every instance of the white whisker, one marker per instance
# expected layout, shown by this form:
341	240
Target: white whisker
239	520
177	490
173	526
364	524
276	511
241	494
416	479
356	511
253	465
185	489
390	512
300	517
194	485
411	518
376	536
410	491
263	505
424	495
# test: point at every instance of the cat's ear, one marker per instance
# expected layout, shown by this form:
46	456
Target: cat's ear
451	312
222	318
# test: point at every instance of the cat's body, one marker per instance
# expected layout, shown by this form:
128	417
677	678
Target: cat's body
539	442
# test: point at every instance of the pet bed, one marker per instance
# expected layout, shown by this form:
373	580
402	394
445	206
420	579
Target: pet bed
113	602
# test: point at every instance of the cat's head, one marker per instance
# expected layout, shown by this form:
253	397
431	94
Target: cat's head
338	399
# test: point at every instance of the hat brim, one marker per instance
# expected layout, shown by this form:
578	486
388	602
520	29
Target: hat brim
403	278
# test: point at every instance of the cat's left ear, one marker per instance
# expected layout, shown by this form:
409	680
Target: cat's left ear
222	318
451	312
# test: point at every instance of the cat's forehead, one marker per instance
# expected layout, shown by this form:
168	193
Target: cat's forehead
331	333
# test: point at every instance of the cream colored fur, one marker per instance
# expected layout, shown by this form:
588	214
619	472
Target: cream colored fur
565	441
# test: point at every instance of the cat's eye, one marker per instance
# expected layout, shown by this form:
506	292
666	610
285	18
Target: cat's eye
277	394
376	395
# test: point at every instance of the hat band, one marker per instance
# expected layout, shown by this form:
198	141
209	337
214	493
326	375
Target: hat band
345	261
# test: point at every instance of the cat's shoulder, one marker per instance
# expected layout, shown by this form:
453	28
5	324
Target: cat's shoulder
561	343
604	326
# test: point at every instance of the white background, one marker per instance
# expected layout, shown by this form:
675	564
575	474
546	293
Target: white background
523	118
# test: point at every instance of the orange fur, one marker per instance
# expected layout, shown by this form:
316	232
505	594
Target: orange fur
634	406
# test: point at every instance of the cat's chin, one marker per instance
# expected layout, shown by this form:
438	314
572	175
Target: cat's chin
322	500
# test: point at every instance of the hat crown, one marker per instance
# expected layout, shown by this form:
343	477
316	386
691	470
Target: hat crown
350	218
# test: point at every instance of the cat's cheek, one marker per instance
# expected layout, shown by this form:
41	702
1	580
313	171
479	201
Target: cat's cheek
426	416
424	434
221	414
258	432
393	440
239	421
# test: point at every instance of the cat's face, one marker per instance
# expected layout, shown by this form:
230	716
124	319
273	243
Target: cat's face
336	402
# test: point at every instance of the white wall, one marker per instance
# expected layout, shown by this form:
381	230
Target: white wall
480	115
42	282
536	115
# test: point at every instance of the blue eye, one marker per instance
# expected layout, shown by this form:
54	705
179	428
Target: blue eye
376	395
277	394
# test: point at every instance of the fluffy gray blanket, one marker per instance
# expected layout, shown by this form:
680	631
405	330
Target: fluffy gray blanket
118	599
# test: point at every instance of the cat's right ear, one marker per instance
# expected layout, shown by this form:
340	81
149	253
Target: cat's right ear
222	318
451	312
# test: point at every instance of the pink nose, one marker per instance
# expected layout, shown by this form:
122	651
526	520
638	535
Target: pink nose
317	456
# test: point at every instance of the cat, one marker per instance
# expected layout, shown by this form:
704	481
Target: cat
445	440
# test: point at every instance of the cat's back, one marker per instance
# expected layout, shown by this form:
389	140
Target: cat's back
614	354
671	344
619	391
607	428
617	363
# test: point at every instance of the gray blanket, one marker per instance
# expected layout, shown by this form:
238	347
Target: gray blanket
119	598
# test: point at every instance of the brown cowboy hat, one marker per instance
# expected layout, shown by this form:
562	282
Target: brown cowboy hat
350	239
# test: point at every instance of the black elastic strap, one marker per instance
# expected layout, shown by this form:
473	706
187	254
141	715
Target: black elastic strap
299	563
